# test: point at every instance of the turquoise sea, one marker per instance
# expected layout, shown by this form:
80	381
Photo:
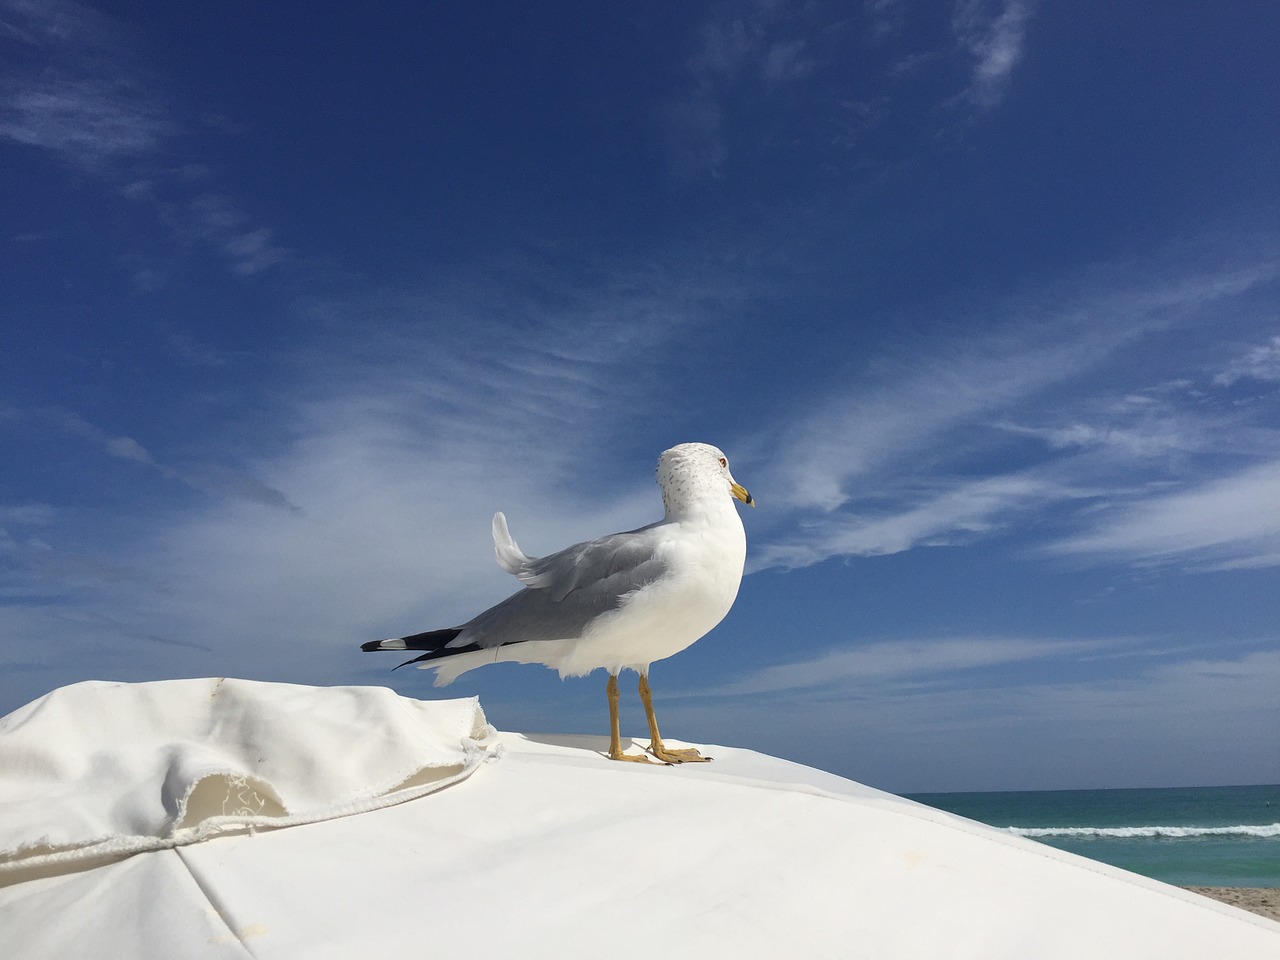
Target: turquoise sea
1189	836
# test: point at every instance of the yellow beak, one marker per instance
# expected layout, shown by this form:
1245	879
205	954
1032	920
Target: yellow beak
740	492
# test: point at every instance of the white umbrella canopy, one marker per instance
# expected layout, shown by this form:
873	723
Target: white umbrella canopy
546	850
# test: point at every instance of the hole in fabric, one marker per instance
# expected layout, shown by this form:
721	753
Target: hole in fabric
229	796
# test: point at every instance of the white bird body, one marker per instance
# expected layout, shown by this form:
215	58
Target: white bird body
659	620
620	602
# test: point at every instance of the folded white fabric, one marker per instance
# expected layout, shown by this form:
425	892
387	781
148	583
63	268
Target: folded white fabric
101	769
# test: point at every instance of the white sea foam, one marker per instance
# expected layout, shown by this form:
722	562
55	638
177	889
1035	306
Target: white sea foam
1243	830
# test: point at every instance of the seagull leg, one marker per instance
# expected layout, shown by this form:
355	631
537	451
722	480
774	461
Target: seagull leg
656	746
615	735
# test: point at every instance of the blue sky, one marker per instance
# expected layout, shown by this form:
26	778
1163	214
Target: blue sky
981	298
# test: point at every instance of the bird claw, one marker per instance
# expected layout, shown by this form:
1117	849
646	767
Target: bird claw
632	758
673	755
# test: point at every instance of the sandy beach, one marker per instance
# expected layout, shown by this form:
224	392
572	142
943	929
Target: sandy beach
1264	901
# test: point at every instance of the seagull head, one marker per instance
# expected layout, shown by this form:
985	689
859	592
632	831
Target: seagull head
693	473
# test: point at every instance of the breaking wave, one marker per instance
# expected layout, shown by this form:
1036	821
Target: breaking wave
1259	830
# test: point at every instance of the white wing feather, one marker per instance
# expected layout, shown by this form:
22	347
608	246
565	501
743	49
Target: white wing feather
510	557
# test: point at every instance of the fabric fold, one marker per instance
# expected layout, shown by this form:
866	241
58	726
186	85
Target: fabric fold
101	769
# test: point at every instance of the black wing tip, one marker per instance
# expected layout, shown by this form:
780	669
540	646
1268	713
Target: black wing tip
434	642
425	656
431	640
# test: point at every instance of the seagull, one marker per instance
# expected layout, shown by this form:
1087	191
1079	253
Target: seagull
623	601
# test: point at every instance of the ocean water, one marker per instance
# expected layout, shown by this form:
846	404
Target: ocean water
1189	836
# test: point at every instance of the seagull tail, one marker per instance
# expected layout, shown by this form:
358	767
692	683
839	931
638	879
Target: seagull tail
434	642
510	557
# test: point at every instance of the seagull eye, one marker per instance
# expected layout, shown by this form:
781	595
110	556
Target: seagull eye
724	462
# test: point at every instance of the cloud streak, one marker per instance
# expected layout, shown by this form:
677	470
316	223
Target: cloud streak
212	479
886	465
73	91
953	516
860	668
959	714
992	33
1228	523
752	49
397	448
69	88
86	122
1261	363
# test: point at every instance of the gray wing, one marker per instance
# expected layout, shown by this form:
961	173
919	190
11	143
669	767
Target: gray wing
568	590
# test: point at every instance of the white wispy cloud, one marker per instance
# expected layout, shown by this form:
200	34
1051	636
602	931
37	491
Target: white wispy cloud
1165	424
401	459
73	90
1259	363
68	87
1154	439
750	39
406	420
859	668
85	121
908	64
888	464
873	428
196	353
20	544
877	425
35	23
217	220
938	713
26	513
756	46
955	515
885	17
212	479
992	33
1230	522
